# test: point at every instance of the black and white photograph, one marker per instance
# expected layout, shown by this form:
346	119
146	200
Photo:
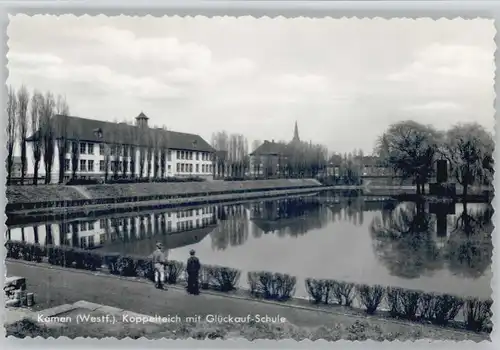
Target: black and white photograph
249	178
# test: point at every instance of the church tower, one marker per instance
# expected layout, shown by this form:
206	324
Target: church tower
296	137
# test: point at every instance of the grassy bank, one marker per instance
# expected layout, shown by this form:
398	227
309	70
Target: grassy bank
18	195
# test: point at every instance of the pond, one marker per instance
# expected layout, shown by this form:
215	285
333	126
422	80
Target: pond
431	247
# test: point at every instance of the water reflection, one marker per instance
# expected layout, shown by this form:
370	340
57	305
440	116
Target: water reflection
416	239
373	240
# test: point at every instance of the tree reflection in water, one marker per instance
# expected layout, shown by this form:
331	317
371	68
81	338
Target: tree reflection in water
470	247
288	217
404	241
232	228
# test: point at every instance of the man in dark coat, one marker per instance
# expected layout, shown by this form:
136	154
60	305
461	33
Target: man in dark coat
193	270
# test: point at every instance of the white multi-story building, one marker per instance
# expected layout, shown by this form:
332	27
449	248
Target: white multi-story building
94	233
95	145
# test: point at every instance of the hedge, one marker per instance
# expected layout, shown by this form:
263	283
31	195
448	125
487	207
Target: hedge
220	278
92	181
407	304
269	285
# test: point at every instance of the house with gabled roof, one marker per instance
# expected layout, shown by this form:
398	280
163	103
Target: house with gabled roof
104	146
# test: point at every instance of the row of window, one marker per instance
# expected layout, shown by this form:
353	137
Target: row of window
188	168
90	225
125	151
188	155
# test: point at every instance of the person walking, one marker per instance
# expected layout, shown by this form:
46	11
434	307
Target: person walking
193	270
159	262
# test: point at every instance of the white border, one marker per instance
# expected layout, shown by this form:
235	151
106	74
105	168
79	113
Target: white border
387	9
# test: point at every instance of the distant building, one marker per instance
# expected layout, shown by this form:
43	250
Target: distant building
101	145
270	156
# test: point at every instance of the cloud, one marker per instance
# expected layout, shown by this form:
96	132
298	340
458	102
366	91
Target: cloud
444	65
434	106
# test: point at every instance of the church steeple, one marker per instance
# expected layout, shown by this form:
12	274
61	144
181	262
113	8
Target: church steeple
296	137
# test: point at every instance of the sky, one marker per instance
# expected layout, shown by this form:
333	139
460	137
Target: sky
344	81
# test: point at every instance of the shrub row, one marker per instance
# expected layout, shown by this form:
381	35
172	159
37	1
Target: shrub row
274	286
91	181
211	277
402	303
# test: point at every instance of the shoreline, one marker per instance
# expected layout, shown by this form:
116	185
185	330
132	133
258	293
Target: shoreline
298	303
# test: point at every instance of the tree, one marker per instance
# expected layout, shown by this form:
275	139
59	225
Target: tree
11	130
409	148
37	141
220	142
163	145
75	155
469	149
23	99
62	109
47	128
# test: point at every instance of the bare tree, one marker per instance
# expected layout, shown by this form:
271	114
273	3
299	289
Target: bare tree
75	155
11	130
23	99
37	141
62	109
149	152
47	127
163	144
220	142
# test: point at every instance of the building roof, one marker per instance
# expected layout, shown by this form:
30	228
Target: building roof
270	148
76	128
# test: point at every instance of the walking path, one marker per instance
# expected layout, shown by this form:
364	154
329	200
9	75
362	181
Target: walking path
57	286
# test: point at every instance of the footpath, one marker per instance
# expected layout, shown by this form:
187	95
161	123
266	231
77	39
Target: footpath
58	286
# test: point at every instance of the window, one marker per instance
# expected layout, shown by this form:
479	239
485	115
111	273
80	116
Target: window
101	149
178	167
91	226
182	167
120	165
203	167
90	166
120	150
83	147
169	168
125	166
197	167
113	149
182	154
91	241
197	155
83	242
66	165
169	155
169	226
102	238
178	155
190	168
83	226
203	156
191	155
83	164
125	151
102	223
91	148
101	165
